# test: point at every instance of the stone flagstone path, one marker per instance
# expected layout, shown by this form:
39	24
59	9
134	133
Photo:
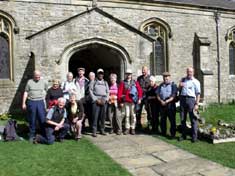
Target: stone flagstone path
144	155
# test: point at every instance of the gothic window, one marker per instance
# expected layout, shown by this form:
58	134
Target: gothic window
156	30
5	49
232	58
160	56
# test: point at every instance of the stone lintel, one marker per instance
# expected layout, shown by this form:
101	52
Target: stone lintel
207	72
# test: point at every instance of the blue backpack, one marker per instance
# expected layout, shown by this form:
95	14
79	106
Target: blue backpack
134	93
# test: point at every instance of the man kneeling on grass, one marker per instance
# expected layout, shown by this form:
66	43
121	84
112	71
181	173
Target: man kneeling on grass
56	128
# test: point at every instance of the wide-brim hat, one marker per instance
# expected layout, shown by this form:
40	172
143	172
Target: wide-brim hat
166	74
128	71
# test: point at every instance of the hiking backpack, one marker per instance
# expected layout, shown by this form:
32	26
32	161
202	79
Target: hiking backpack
9	133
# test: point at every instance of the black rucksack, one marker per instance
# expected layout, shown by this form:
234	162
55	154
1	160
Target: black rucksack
9	133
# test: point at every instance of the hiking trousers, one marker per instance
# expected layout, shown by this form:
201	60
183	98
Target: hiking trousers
36	111
130	118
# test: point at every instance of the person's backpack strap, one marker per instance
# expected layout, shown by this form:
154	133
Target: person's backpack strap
107	86
95	81
173	86
64	85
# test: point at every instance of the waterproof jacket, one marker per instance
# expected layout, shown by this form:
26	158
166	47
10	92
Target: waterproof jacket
124	91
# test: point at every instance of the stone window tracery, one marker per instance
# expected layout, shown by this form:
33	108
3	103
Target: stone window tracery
230	37
159	62
232	58
5	49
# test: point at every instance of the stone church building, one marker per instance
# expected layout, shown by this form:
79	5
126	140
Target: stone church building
57	36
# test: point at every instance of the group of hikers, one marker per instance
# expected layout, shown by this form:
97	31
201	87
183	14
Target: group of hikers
64	107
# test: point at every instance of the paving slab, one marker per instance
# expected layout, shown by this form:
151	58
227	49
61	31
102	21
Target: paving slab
157	148
146	171
112	144
123	151
145	155
138	161
185	167
172	155
143	140
222	171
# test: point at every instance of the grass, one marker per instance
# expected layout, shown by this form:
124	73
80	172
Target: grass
69	158
221	153
62	159
85	159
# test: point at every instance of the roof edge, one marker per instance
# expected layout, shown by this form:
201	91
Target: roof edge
100	11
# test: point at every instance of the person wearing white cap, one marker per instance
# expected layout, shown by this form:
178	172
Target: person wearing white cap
99	92
153	106
129	94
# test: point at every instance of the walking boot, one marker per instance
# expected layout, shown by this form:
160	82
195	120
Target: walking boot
94	134
126	132
133	131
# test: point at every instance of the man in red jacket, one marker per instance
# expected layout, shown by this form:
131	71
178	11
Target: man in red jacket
129	94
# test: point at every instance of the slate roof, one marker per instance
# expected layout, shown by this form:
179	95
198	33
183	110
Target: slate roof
218	4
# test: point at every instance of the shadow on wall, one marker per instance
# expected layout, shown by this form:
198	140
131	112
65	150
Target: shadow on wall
197	60
15	107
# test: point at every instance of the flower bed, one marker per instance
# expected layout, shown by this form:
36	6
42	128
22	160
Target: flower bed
223	132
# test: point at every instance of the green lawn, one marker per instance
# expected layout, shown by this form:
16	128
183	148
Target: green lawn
220	153
60	159
69	158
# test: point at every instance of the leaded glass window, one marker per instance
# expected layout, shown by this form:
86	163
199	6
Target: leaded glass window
158	32
5	49
159	56
232	58
4	58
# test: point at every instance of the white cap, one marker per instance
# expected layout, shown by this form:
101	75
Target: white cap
100	70
128	71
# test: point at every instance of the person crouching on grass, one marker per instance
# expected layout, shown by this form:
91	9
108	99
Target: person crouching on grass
76	115
55	124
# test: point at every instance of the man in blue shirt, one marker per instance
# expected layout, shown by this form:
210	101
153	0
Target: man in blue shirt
166	93
190	91
55	124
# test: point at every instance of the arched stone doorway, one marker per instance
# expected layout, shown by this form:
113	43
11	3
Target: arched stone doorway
93	54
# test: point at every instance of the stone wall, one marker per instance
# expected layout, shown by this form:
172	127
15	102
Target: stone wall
50	45
33	16
30	18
